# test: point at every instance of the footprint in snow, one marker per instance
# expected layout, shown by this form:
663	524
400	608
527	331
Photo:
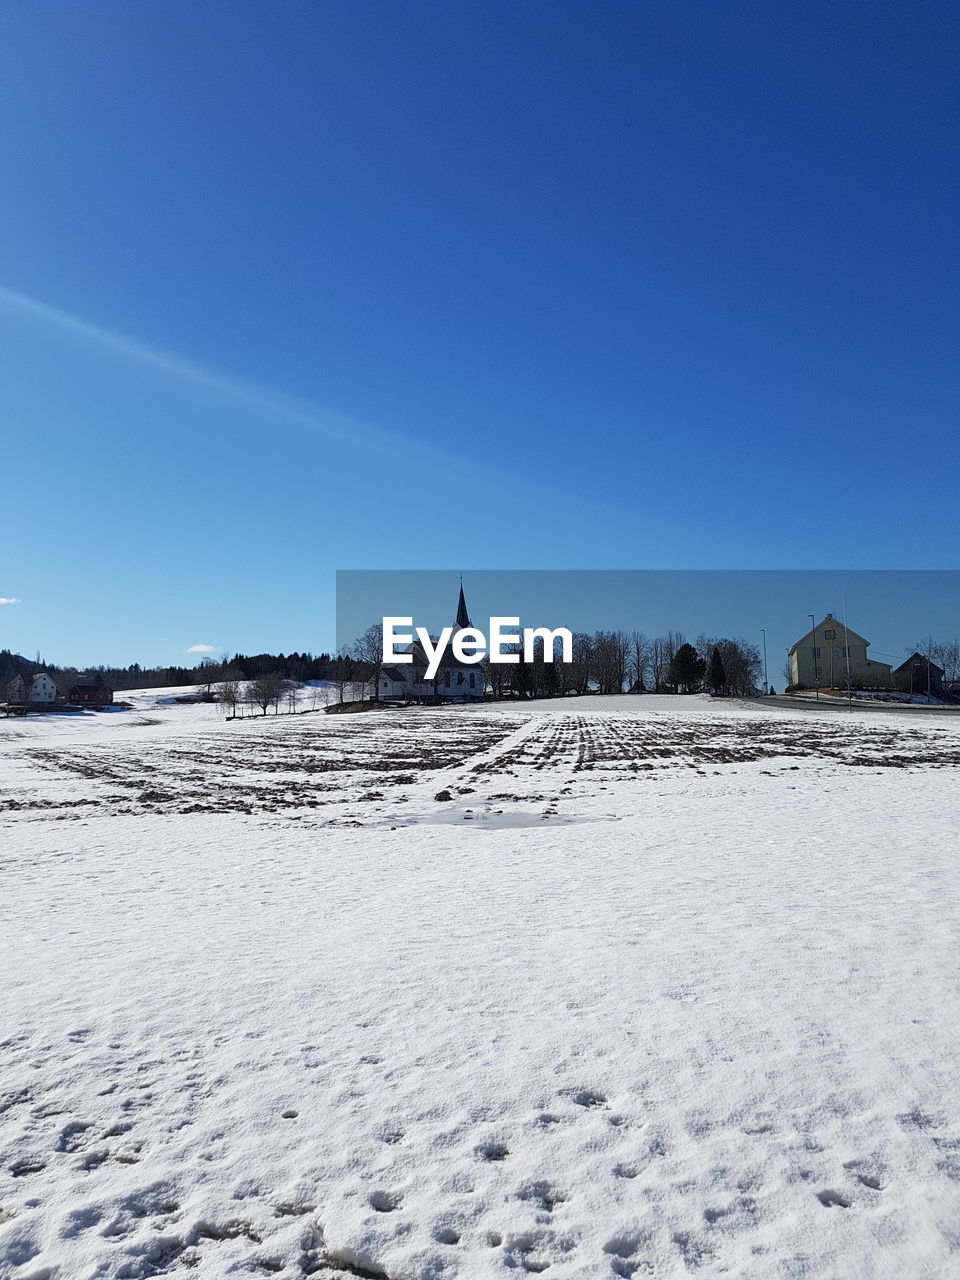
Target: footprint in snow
866	1179
385	1201
588	1098
622	1249
543	1194
71	1138
493	1151
831	1199
446	1235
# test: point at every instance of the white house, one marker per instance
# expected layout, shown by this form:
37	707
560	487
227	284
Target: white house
43	688
16	690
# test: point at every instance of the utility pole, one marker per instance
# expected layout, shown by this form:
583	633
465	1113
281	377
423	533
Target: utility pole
846	646
929	638
766	682
816	673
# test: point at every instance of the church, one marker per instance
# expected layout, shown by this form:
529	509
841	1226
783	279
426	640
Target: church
455	681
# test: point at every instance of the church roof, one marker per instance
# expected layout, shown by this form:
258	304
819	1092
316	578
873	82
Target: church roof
463	618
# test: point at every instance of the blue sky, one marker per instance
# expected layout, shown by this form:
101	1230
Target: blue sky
299	287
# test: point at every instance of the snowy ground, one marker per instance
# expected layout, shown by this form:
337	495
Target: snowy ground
664	987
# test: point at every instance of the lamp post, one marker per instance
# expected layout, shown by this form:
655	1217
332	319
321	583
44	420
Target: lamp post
766	682
928	666
816	674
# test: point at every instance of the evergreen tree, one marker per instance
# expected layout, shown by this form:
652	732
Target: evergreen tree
686	669
716	676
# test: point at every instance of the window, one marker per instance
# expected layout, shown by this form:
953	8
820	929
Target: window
472	685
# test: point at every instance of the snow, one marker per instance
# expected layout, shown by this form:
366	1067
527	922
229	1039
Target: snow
871	696
667	986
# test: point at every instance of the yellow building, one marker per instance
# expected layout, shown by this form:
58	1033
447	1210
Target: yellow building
820	658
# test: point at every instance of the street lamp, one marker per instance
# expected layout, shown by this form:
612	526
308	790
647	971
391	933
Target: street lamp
816	673
929	687
766	682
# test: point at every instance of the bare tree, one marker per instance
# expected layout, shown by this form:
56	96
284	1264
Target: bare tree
293	694
230	690
637	662
342	668
610	661
742	665
948	655
418	670
663	650
499	676
945	654
368	650
208	672
545	675
281	690
577	674
265	690
622	657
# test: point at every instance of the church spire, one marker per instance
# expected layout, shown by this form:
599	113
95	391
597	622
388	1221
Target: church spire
463	618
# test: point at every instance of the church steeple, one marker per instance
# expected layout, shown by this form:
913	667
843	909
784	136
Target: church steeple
463	618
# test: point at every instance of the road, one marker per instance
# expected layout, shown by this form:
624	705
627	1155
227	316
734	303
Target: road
840	704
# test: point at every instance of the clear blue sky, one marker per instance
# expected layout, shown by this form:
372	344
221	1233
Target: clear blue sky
296	287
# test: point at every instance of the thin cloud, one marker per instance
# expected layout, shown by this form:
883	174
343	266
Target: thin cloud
10	600
335	426
310	417
201	648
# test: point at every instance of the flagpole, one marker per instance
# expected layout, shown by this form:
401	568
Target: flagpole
846	645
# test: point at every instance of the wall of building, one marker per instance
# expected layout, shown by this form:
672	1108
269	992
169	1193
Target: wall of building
822	657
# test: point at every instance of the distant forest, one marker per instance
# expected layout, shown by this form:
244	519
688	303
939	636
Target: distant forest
209	671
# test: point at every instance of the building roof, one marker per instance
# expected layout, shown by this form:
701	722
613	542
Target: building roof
831	621
914	660
463	618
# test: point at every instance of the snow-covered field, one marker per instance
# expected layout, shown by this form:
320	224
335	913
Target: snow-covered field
665	986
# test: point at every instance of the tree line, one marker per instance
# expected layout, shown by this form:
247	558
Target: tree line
297	667
611	662
604	662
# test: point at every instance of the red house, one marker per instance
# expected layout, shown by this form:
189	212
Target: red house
92	695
